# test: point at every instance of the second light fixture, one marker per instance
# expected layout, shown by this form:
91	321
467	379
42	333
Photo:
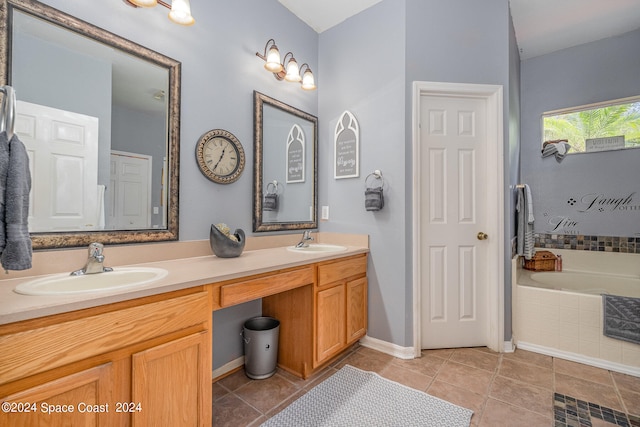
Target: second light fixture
289	72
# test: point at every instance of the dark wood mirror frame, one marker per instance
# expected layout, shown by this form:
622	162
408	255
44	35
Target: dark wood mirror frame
61	19
259	224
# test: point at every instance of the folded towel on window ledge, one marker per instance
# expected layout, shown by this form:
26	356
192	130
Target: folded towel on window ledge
558	148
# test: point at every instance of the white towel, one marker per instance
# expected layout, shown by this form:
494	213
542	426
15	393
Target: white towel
100	212
524	207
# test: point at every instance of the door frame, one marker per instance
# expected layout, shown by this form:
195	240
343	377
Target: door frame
495	199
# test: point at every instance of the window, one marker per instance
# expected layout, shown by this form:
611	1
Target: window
610	125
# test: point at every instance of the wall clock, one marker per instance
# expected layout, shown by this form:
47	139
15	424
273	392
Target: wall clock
220	156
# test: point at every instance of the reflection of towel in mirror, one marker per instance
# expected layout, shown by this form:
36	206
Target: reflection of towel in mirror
524	207
558	148
17	251
100	211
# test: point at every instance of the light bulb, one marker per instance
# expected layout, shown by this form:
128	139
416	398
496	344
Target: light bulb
181	12
293	72
273	60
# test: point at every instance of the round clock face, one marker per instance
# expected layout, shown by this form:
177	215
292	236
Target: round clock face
220	156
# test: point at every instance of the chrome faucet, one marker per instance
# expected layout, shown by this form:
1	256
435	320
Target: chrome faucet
306	238
94	261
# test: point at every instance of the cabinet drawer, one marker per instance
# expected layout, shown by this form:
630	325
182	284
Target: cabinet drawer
249	290
42	349
339	270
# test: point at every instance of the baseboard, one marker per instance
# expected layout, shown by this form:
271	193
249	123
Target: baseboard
227	367
574	357
508	347
387	347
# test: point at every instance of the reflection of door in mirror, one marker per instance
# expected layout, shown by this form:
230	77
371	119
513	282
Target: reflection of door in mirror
129	192
63	172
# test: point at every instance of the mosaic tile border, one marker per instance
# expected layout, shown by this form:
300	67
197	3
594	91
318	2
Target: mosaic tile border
571	412
588	243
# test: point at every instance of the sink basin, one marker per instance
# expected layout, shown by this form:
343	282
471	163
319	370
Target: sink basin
316	248
64	284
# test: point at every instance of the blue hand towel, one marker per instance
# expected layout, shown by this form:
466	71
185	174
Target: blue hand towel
4	169
525	237
17	252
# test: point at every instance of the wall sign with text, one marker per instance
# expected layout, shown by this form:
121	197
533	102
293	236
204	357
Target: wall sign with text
347	147
611	213
295	155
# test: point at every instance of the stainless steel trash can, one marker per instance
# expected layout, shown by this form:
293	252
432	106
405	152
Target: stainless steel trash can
260	335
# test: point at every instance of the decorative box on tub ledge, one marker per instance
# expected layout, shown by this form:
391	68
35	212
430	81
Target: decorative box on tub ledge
541	261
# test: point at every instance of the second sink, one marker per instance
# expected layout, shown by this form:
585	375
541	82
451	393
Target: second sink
118	279
315	248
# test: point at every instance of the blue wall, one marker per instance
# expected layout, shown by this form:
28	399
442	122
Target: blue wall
370	73
594	72
362	70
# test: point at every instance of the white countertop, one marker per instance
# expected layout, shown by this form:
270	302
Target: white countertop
183	273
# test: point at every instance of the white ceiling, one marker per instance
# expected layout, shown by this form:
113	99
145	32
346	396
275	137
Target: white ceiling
541	26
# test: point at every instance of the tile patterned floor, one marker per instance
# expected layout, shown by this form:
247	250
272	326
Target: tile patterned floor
515	389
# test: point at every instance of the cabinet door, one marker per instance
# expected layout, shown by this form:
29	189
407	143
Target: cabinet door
356	309
330	322
80	399
172	383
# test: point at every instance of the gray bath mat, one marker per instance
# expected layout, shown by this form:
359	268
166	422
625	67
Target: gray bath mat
622	318
352	398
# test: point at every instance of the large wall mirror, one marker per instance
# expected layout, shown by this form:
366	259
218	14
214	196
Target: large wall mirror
100	118
285	166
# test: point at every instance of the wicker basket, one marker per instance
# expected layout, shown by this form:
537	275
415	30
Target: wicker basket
541	261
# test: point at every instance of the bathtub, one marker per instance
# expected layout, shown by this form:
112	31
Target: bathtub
560	313
583	282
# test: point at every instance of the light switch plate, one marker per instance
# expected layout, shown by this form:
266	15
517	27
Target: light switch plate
325	213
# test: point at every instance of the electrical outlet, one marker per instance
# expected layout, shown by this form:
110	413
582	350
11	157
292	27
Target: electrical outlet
325	213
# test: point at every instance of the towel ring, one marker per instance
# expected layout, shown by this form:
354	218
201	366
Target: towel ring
8	116
272	187
377	175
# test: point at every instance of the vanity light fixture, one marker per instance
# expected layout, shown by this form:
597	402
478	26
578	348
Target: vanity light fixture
180	10
289	72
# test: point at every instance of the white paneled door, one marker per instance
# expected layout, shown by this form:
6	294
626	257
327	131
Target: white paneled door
453	229
63	160
130	198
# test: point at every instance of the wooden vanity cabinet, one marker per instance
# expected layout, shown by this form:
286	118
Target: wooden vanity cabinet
142	362
321	319
341	306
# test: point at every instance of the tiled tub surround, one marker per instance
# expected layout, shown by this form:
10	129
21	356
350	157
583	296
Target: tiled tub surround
569	324
588	243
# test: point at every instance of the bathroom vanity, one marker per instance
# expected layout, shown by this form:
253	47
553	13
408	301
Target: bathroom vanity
118	360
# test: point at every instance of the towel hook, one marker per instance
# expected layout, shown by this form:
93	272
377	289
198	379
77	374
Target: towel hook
376	174
8	116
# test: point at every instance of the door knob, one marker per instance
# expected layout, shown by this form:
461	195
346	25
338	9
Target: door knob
482	236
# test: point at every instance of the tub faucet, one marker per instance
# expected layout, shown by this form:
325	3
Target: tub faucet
306	238
94	261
